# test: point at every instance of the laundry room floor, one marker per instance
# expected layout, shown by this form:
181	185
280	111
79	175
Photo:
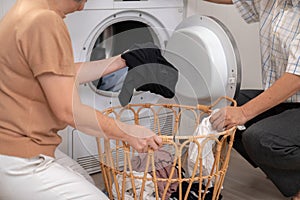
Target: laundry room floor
242	182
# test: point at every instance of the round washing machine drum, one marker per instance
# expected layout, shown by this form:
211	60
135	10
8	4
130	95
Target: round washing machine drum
204	52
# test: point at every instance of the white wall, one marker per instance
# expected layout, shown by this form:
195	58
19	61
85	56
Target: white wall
246	36
5	5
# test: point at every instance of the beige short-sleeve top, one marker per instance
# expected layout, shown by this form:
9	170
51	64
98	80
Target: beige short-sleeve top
34	40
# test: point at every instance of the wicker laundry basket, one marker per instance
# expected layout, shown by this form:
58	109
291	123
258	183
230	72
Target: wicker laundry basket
176	125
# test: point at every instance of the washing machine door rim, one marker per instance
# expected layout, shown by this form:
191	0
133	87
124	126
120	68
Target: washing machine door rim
219	66
159	31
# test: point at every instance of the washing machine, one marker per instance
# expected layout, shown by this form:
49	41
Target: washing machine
200	47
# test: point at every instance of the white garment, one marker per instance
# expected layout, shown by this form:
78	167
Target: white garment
148	194
41	178
206	145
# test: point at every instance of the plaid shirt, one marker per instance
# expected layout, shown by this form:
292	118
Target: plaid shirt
279	36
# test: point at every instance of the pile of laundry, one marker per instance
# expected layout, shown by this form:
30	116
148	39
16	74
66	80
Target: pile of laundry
164	167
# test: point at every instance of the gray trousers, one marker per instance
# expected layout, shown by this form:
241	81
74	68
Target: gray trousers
272	143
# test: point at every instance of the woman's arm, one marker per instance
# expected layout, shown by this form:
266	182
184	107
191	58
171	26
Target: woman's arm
89	71
62	95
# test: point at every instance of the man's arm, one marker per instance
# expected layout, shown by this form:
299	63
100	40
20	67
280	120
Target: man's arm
281	90
62	95
221	1
89	71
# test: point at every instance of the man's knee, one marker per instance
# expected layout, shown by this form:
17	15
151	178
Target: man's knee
251	142
266	148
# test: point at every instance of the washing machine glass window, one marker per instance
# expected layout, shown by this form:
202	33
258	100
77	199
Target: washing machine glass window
114	40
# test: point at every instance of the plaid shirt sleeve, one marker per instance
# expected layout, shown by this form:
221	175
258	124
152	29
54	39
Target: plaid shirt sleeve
294	57
248	10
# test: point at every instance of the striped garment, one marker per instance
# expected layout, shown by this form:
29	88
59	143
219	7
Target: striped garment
279	36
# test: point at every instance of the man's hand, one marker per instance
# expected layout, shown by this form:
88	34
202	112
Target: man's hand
227	118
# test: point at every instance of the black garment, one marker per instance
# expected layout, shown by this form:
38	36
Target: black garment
271	142
194	192
148	70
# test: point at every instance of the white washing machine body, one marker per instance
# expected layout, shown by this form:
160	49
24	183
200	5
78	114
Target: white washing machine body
107	24
200	47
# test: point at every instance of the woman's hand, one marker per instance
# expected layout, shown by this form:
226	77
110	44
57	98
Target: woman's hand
227	118
140	138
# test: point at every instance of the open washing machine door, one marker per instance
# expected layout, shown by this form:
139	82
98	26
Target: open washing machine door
206	55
